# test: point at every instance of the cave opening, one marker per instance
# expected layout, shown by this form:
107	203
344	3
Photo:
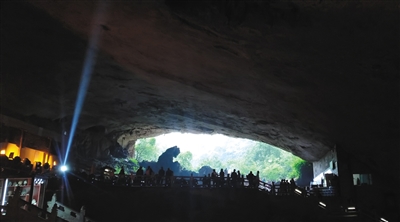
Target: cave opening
199	154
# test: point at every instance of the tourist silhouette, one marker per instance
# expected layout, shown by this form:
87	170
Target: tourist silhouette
139	175
161	174
168	177
214	176
122	172
234	177
250	179
149	175
221	178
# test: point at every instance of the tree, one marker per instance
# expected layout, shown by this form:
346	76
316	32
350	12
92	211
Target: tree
213	162
273	163
185	159
146	149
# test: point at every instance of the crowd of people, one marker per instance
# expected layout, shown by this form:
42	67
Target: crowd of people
18	167
147	177
221	179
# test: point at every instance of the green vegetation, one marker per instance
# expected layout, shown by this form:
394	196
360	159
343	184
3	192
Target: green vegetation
214	162
273	163
146	149
130	165
185	159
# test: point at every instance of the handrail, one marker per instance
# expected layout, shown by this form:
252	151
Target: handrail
32	212
66	213
177	181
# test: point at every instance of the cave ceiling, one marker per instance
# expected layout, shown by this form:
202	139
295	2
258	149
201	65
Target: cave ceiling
300	75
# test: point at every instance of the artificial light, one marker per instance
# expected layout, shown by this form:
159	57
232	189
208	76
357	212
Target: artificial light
64	168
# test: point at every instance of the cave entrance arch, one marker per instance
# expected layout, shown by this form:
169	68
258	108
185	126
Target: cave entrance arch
202	152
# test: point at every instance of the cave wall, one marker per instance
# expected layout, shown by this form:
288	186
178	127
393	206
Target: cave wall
329	161
301	75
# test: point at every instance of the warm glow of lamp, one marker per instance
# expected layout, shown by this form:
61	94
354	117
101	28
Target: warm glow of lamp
39	156
3	152
12	148
54	163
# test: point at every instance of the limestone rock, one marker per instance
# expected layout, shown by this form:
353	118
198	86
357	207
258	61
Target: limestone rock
300	75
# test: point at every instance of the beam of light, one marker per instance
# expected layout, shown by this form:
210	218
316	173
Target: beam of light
66	190
89	62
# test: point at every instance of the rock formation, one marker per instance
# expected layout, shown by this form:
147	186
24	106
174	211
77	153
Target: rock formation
300	75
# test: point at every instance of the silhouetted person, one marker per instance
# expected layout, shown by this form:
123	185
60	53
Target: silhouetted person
234	177
149	175
214	176
292	186
257	180
122	172
16	163
38	168
335	184
139	174
121	177
191	181
282	187
46	167
250	178
206	181
27	165
132	178
168	177
161	174
221	178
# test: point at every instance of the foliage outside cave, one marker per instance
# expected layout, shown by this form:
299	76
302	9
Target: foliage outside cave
273	163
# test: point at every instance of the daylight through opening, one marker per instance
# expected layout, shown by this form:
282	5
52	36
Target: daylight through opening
199	154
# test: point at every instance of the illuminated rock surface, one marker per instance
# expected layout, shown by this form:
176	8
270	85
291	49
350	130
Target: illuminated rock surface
302	76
